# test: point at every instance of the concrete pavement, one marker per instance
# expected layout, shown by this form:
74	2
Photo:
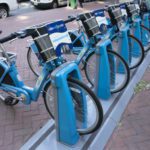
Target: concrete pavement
133	131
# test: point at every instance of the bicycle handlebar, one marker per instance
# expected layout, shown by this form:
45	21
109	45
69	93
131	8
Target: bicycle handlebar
21	34
70	19
27	32
8	38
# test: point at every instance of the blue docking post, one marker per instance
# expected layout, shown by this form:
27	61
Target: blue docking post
102	82
145	33
137	33
145	20
65	116
124	46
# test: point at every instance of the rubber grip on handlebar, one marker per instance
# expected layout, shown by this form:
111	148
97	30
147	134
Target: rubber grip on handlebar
8	38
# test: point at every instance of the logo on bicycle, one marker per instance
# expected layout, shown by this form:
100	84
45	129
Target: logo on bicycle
56	27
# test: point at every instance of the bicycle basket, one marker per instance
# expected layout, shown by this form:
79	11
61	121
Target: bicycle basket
90	24
145	6
132	10
116	16
45	48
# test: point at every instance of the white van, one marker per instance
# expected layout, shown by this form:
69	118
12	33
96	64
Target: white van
6	6
48	3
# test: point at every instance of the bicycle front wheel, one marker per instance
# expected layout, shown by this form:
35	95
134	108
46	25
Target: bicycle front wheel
93	114
119	71
145	32
135	51
33	62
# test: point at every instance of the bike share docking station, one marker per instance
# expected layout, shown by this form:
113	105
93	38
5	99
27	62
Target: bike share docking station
65	122
45	138
62	134
65	117
102	82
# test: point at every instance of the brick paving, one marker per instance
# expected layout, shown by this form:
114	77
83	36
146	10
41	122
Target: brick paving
133	131
20	122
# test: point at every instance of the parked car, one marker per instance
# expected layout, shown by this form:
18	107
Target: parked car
6	6
22	1
48	3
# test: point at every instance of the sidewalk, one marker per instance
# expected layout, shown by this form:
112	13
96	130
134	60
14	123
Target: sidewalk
133	131
19	123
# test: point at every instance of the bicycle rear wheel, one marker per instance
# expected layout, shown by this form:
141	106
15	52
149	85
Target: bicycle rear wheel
118	79
93	112
33	62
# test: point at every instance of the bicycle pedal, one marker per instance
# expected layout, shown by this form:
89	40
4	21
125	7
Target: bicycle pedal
9	100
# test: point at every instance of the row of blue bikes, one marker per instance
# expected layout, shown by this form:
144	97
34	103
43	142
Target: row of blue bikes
108	44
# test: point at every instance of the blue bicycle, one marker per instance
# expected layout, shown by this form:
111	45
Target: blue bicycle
122	36
132	12
84	46
12	84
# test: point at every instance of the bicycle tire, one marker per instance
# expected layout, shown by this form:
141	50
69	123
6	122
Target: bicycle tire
30	62
125	83
94	99
148	30
142	52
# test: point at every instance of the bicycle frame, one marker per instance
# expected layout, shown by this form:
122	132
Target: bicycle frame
26	93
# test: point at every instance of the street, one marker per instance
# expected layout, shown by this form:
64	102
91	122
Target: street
24	7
